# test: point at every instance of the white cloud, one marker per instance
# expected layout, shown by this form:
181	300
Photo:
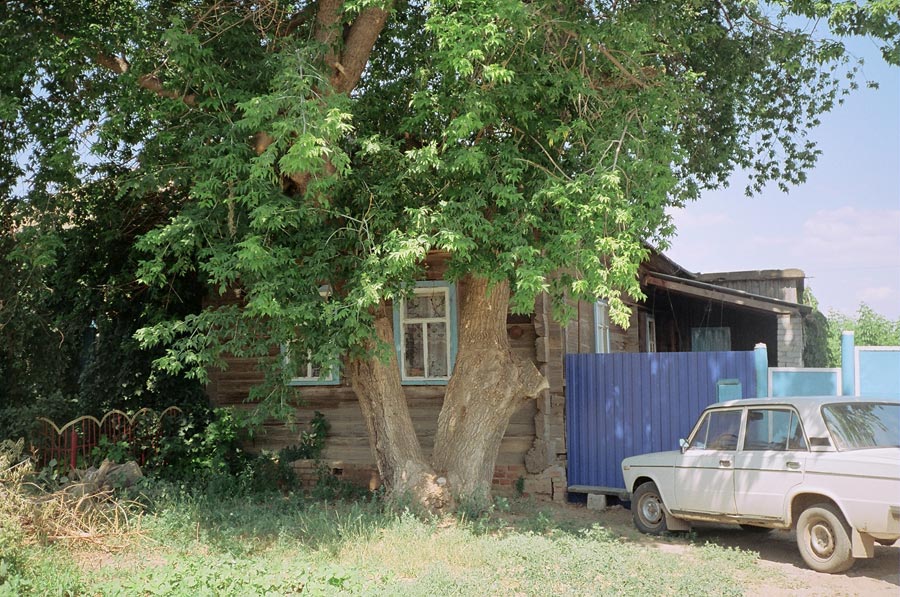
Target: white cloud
849	236
876	294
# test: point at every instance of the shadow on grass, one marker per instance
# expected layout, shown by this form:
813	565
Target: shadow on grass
779	547
238	524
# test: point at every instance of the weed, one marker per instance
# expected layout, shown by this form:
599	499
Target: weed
330	487
192	541
520	486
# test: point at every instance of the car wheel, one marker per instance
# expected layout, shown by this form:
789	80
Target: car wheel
824	539
752	528
647	510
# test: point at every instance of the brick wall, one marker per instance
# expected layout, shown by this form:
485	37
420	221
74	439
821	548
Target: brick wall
790	340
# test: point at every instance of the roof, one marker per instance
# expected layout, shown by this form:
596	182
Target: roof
741	298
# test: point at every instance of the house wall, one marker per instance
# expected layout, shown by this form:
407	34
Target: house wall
533	447
785	285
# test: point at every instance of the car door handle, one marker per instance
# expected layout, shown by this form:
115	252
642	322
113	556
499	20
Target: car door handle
725	463
794	466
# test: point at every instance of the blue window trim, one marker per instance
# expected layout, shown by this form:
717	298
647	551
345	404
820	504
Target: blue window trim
324	292
454	345
303	381
308	381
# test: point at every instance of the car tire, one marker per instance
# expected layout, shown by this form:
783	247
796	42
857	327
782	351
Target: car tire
823	538
647	510
752	528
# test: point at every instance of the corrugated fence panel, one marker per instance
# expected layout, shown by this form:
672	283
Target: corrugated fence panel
622	404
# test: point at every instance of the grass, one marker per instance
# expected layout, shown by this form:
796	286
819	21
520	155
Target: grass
191	543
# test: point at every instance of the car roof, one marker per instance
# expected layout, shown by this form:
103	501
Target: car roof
801	401
807	406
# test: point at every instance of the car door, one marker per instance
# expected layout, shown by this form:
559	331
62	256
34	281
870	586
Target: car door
704	473
771	462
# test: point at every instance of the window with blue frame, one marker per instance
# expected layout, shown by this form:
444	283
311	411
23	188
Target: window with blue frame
425	333
307	373
310	374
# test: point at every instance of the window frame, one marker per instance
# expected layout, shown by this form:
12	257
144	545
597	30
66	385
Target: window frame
334	377
602	341
426	287
793	416
650	333
704	418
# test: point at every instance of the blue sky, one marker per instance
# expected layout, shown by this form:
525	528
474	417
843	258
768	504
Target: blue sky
842	227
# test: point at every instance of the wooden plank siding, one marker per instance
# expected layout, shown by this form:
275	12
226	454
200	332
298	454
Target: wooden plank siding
348	440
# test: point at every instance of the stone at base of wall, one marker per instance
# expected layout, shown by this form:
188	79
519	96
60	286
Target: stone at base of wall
549	484
307	472
595	501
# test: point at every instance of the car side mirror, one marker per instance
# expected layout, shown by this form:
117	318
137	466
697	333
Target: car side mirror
684	444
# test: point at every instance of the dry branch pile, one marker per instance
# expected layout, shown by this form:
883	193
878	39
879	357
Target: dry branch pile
85	511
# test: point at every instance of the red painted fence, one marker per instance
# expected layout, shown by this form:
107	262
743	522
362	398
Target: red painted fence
72	444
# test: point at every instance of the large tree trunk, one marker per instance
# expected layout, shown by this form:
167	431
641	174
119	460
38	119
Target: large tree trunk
489	383
398	454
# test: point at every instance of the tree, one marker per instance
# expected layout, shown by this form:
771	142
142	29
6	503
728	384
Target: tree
70	305
817	349
869	329
338	142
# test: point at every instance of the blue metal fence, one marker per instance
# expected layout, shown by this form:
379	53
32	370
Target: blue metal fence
618	405
798	381
877	371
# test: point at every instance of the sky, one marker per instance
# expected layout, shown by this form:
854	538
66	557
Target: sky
842	227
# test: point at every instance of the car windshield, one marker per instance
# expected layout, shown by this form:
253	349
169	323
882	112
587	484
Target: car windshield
860	425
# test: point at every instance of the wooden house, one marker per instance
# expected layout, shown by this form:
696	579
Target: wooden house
682	312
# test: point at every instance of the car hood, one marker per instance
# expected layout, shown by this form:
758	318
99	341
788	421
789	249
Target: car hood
652	459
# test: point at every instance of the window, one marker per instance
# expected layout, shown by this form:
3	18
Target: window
773	429
713	339
425	333
308	373
601	327
856	426
650	334
717	431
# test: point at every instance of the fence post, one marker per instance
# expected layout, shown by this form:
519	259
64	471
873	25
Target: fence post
848	363
761	363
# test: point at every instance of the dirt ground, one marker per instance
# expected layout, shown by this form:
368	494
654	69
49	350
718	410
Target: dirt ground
784	572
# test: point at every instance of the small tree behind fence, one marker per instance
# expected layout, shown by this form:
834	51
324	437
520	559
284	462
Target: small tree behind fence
73	444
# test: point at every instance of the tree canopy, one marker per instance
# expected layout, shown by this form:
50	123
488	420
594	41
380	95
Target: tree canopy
869	329
291	146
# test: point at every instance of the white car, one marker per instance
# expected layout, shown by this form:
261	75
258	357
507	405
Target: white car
827	466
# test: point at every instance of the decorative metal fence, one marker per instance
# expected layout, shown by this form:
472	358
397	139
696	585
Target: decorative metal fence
74	443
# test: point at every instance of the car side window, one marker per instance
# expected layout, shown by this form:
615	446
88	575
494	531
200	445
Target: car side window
796	439
718	431
773	430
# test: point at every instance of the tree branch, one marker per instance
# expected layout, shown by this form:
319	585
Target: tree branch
150	82
628	74
357	47
328	28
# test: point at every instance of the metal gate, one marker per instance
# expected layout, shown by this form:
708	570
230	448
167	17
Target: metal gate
622	404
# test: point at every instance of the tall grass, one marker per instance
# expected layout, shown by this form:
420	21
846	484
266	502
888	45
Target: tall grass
193	542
